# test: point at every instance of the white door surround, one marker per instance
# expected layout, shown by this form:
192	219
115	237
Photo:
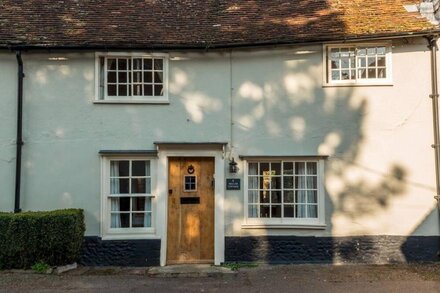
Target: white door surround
214	150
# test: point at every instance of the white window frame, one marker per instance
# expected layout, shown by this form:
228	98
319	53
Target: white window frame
307	223
130	99
108	233
357	82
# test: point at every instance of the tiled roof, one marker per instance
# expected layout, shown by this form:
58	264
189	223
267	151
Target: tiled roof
199	23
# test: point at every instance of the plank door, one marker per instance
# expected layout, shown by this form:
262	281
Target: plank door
190	211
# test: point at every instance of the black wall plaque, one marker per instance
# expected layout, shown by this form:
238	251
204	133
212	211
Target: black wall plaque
232	184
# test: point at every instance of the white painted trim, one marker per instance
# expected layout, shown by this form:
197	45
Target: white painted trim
326	66
162	201
131	99
312	223
132	233
285	226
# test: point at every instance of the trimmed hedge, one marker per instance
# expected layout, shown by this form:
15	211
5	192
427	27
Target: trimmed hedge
54	237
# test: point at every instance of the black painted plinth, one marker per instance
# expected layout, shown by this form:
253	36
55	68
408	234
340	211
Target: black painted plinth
362	249
133	253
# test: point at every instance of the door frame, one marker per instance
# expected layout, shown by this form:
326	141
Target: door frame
219	194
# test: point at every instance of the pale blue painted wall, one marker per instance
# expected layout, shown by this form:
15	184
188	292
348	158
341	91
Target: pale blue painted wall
280	108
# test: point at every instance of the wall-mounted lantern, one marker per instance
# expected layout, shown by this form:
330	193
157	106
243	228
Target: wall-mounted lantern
233	166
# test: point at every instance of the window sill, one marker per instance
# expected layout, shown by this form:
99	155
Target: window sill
284	226
387	84
154	102
129	237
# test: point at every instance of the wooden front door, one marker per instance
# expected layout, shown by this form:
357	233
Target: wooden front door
190	210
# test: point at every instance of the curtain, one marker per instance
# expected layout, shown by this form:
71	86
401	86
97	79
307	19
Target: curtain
147	216
114	189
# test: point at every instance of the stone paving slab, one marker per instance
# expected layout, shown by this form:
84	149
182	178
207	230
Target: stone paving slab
188	271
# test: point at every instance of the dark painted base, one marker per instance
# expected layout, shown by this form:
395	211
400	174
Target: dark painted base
363	249
134	253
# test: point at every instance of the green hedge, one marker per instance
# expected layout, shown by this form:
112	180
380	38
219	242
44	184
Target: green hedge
54	237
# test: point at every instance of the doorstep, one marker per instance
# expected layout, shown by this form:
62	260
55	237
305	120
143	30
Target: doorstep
189	271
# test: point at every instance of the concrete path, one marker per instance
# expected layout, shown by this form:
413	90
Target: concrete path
290	278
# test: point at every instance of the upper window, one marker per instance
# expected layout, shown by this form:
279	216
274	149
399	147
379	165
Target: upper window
284	192
361	64
132	78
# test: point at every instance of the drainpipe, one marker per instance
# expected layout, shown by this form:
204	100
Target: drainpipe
19	140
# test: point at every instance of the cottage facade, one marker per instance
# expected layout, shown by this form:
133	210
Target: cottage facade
331	130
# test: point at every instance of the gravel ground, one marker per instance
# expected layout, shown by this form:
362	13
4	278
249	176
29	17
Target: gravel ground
264	278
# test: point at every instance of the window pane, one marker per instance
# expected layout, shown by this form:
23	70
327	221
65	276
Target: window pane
120	221
300	168
264	211
148	220
265	182
362	74
264	169
137	90
288	196
288	168
253	183
253	211
345	63
158	77
335	64
312	211
138	203
288	211
119	168
148	64
137	64
111	77
276	196
345	74
111	64
253	196
362	62
300	211
334	52
311	182
111	90
312	197
119	186
381	73
148	77
311	168
138	220
372	73
264	196
122	64
336	75
158	90
138	185
300	196
276	182
276	211
381	50
158	64
148	204
288	182
122	90
120	204
300	182
137	76
371	51
253	168
362	52
148	90
138	168
276	168
122	77
381	61
371	61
